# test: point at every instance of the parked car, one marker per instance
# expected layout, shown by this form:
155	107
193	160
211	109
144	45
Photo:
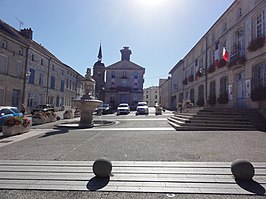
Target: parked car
104	109
43	108
8	111
123	109
142	108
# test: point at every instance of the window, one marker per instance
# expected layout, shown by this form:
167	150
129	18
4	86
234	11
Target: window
260	25
32	57
135	75
239	13
19	69
1	97
62	85
224	26
4	44
52	85
3	64
113	74
147	96
155	96
42	62
15	97
20	51
32	76
124	82
259	76
41	79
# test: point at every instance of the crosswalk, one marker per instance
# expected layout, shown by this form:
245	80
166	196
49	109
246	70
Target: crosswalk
131	176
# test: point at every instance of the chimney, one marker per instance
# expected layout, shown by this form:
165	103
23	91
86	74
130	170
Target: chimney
27	32
125	54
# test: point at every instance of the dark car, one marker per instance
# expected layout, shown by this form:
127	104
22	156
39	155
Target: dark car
104	109
43	108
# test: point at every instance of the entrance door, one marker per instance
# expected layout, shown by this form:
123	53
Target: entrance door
240	90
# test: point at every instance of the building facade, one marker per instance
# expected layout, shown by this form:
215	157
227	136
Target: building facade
12	66
165	92
32	75
227	66
124	81
151	95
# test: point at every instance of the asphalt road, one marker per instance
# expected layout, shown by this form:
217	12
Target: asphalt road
133	137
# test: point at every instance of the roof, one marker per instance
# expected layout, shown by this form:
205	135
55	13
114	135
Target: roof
124	64
9	30
176	67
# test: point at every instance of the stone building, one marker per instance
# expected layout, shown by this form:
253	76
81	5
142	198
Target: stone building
13	49
124	81
227	66
165	92
32	75
151	95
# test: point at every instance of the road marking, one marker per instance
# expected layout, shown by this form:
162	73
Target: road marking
132	129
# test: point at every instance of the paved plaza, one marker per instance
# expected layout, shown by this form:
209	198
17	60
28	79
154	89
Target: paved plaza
150	160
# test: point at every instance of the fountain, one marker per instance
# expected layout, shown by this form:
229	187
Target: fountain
87	103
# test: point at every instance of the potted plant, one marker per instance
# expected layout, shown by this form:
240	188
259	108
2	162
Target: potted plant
68	114
16	125
50	116
256	44
39	118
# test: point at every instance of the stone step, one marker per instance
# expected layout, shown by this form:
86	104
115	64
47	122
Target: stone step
207	118
200	122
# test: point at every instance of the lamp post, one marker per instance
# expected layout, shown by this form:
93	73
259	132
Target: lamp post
26	77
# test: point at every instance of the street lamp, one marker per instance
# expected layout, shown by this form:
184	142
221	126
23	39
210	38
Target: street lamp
27	75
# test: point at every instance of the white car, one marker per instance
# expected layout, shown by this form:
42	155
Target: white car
123	109
142	108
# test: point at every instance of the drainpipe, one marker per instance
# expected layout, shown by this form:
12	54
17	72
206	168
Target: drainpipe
206	74
25	77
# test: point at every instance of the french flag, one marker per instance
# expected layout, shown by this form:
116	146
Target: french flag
225	54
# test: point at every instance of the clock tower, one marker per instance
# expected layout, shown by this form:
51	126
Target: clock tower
98	76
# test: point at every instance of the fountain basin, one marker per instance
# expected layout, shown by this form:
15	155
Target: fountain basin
86	108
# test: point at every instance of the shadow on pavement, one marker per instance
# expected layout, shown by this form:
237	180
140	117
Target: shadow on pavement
96	183
251	186
59	131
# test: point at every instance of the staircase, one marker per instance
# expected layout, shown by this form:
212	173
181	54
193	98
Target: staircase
218	119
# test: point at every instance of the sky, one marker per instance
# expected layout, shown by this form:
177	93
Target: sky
158	32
